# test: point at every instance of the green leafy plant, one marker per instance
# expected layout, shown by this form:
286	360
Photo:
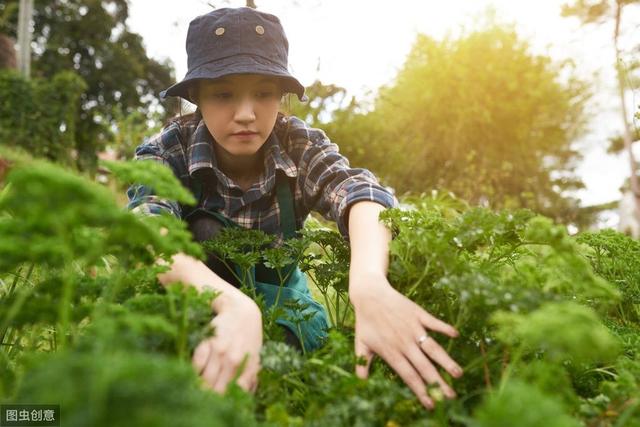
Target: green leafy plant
548	322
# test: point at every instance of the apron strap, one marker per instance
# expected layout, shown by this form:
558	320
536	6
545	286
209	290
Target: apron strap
203	184
287	206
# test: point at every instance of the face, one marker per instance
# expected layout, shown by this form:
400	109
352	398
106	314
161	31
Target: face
239	103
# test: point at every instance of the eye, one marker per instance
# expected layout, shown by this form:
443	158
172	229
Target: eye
217	95
222	95
266	94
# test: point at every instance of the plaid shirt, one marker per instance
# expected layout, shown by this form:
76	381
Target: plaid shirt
324	181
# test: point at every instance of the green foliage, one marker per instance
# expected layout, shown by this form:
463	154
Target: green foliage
117	388
131	128
537	284
478	115
614	257
322	389
327	266
52	216
524	404
40	115
152	174
92	38
319	252
562	330
321	104
548	322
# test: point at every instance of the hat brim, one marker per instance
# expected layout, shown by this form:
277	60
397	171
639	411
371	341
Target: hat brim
238	64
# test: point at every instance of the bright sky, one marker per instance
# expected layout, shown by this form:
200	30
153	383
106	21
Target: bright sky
360	44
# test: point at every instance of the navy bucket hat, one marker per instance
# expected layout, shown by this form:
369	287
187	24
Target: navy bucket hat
236	41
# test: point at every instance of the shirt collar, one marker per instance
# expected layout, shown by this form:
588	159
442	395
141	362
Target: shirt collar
200	152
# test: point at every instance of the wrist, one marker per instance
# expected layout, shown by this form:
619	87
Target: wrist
233	299
363	284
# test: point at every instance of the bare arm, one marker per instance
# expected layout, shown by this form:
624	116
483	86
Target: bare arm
369	241
194	272
388	323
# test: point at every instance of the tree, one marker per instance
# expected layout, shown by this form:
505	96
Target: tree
597	12
322	103
91	37
480	116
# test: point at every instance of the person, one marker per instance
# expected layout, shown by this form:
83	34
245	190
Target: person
251	166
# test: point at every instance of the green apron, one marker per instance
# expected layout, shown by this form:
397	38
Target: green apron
309	322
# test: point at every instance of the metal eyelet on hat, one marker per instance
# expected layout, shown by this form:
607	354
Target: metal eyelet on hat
259	29
219	31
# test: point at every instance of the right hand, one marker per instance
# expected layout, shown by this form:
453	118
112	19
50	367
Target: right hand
238	334
389	324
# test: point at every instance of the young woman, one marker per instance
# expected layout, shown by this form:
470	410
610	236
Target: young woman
254	167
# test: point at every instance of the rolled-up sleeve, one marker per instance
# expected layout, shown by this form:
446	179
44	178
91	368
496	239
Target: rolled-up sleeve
142	198
330	186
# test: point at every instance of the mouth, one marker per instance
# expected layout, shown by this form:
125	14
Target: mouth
244	133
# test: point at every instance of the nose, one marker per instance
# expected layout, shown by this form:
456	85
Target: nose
244	111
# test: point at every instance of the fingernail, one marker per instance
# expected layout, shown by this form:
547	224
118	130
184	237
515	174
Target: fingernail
457	371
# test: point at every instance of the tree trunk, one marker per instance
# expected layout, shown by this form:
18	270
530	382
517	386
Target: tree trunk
251	4
626	136
24	37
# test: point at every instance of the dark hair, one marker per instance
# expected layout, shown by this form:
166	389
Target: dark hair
181	119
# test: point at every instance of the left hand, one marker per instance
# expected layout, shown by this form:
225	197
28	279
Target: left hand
389	324
238	335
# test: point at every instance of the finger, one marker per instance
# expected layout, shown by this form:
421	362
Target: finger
249	377
245	383
223	379
254	385
430	374
230	369
248	384
431	322
200	356
412	378
212	369
436	353
362	371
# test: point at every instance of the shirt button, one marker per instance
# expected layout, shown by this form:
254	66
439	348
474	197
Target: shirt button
219	31
260	29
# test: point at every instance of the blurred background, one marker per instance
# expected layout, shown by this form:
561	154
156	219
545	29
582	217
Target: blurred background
505	104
